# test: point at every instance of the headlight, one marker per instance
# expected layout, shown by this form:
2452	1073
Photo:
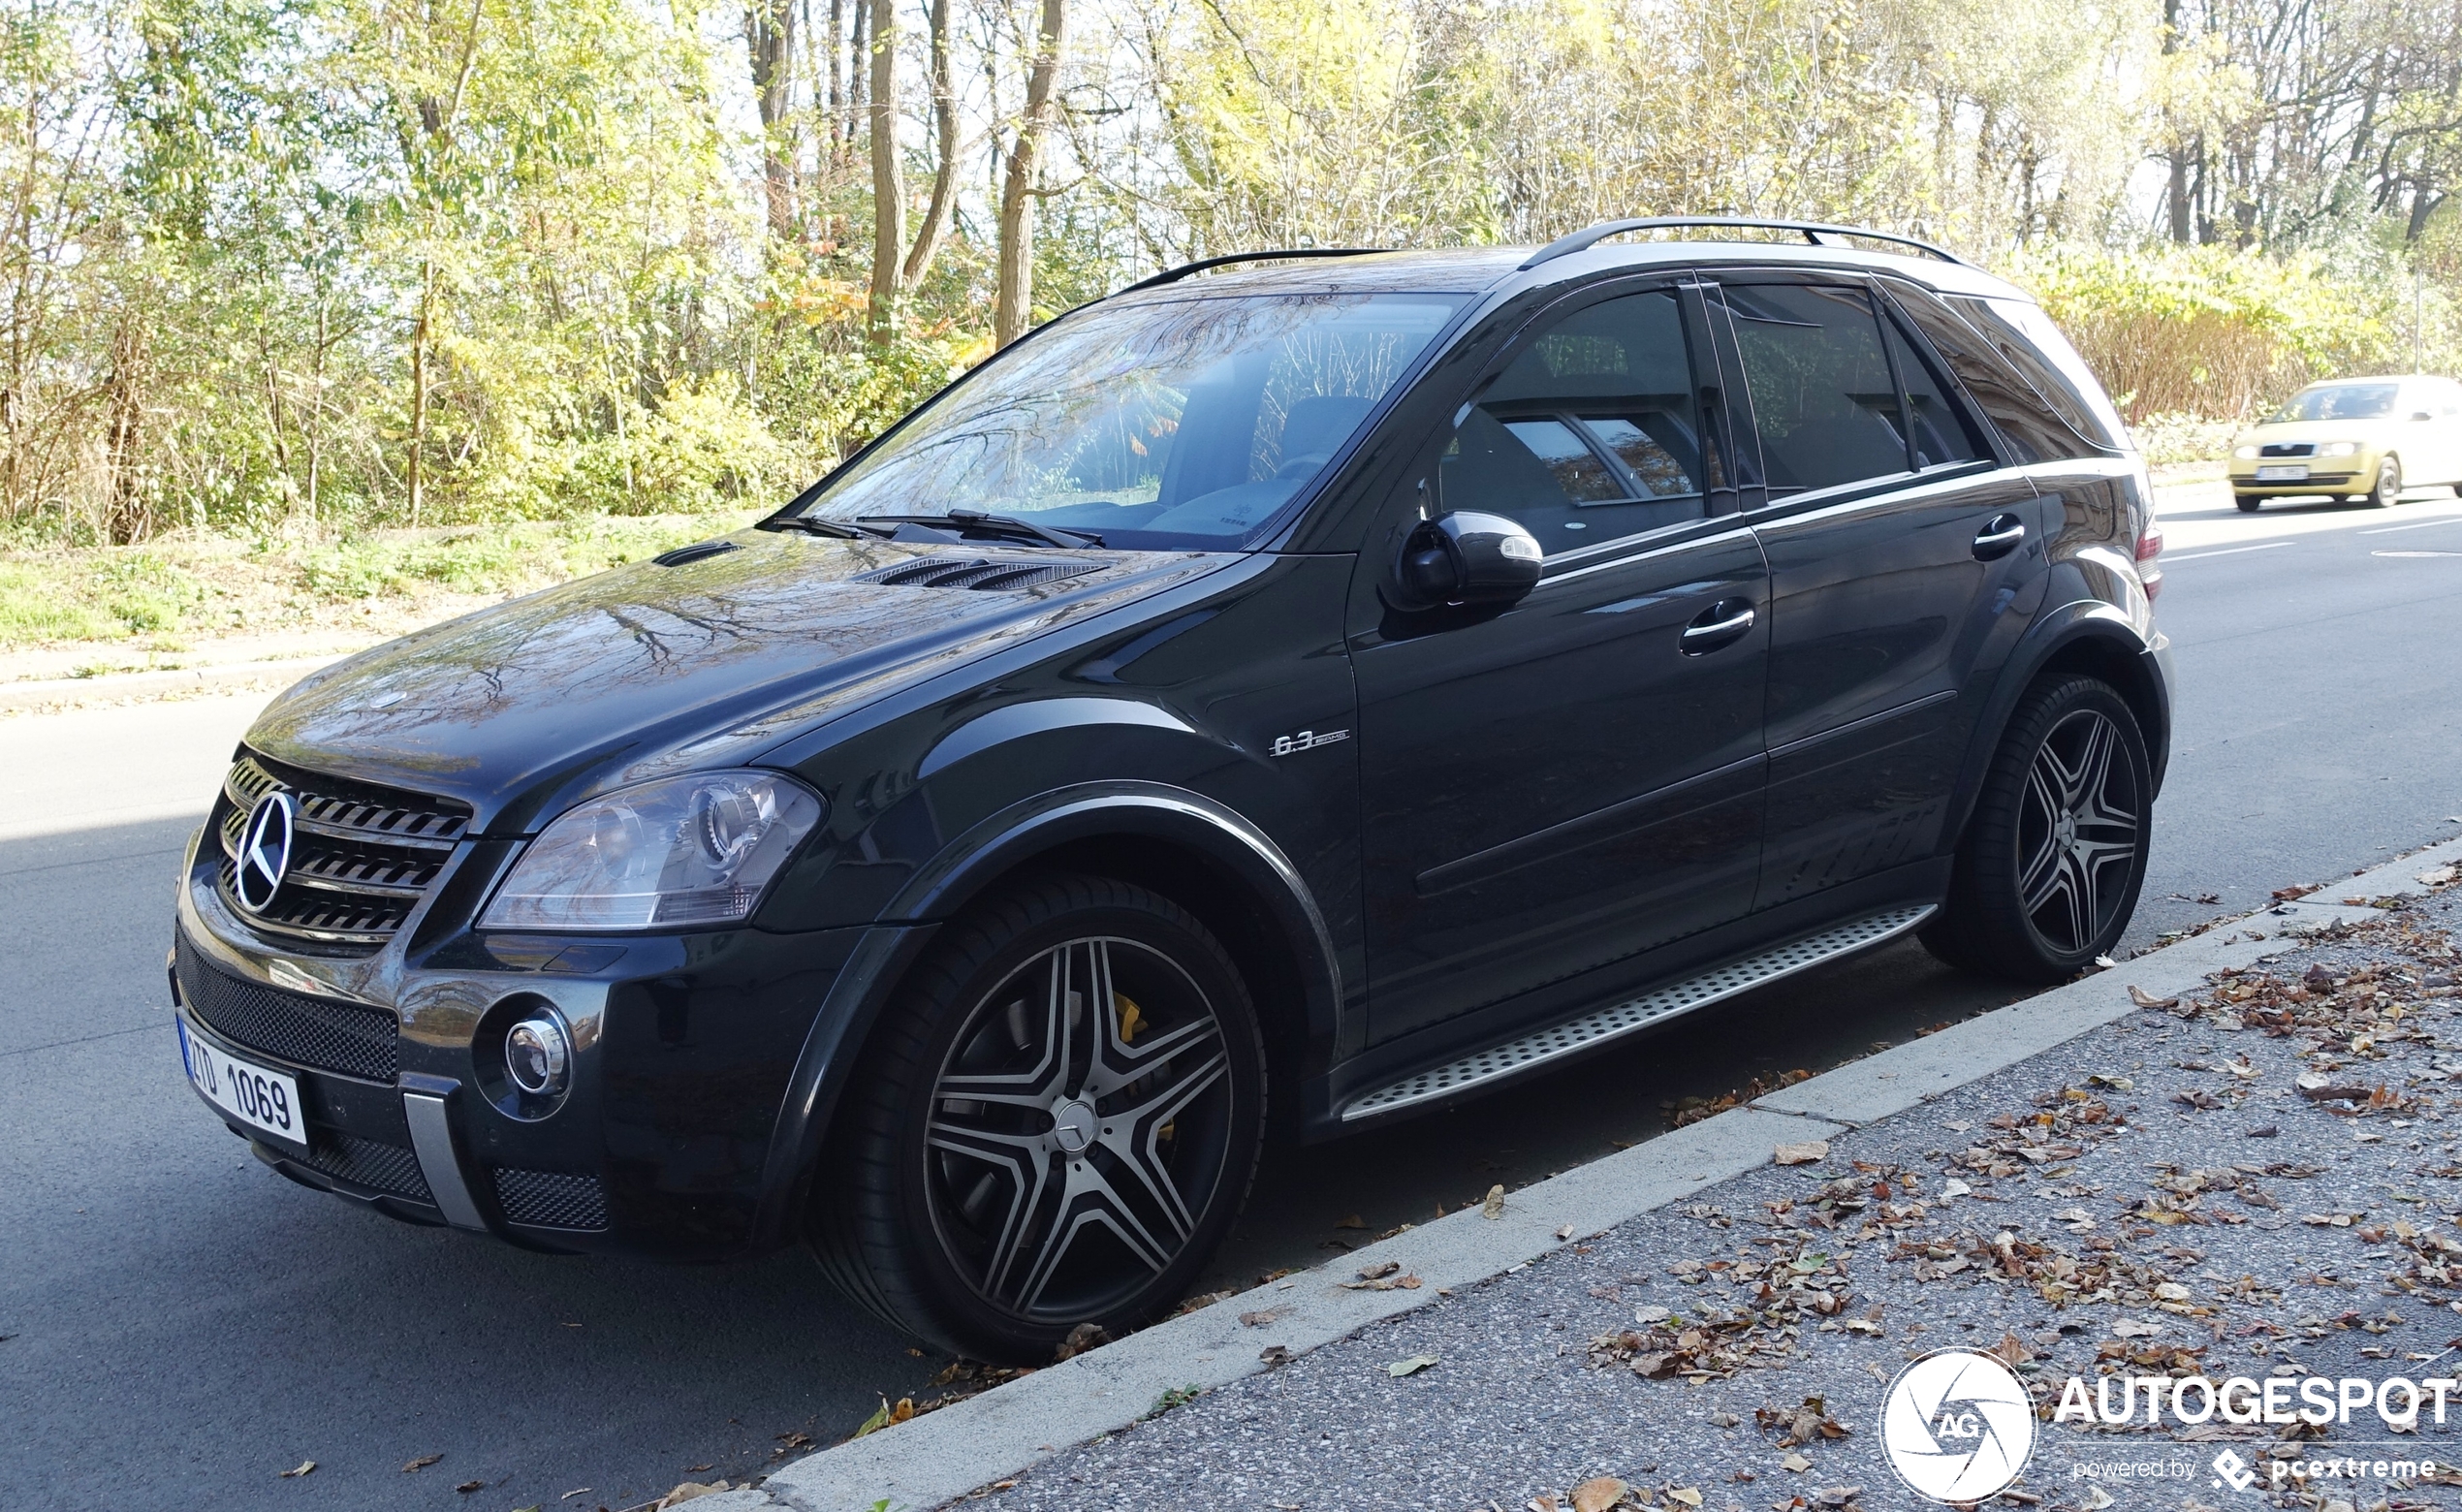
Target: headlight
2339	448
689	850
2245	453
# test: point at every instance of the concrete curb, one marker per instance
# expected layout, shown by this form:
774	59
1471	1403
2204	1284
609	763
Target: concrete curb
110	687
946	1454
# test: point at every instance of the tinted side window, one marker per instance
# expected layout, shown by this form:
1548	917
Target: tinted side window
2028	339
2027	428
1591	433
1938	426
1824	399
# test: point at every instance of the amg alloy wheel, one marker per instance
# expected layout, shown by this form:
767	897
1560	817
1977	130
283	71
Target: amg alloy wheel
2048	873
1058	1131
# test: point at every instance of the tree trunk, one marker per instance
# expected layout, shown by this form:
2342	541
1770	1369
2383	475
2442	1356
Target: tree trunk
1013	308
945	174
417	470
124	434
768	36
889	192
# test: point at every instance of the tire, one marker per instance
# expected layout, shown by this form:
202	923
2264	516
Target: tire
1088	1177
2248	502
2048	870
2389	489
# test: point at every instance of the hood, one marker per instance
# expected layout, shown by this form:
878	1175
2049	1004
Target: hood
654	668
2367	431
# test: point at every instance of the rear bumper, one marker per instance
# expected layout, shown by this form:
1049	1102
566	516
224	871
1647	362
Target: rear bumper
682	1048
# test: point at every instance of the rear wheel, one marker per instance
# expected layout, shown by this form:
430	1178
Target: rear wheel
2248	502
2389	489
1055	1125
2048	871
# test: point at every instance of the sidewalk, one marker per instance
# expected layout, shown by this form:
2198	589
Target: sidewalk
2249	1178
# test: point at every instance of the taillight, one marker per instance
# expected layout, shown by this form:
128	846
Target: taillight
2149	548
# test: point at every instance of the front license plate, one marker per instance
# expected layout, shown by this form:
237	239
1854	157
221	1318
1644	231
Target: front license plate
263	1099
2295	473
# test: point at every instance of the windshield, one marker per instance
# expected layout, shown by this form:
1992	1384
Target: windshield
2338	401
1153	426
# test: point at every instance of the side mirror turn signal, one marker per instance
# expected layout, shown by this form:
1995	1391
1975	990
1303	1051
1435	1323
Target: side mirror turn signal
1465	557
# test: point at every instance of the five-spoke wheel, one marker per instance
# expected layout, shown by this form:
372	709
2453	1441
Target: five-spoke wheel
2048	870
1056	1126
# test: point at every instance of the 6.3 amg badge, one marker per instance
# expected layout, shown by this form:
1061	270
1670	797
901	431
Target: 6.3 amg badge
264	853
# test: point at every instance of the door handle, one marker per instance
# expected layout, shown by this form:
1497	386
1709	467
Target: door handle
1723	623
1999	537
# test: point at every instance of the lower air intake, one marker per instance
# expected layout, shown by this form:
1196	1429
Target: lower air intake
551	1199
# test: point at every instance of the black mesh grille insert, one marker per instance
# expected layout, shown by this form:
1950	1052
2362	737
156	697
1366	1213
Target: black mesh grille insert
292	1026
369	1162
551	1199
2287	449
361	856
983	574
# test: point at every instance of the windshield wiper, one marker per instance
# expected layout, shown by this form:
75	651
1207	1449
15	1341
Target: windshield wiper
1008	525
812	525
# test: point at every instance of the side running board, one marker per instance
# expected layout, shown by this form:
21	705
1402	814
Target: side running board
1532	1051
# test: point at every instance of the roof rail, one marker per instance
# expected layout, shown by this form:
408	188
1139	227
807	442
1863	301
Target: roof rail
1813	231
1189	269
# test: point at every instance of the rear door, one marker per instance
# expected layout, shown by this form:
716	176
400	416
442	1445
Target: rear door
1903	560
1556	788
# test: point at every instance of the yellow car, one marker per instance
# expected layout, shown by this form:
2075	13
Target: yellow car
2360	439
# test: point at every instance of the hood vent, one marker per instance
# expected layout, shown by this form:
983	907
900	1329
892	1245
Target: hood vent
693	552
983	574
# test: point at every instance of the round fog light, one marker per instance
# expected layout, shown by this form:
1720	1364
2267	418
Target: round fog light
536	1055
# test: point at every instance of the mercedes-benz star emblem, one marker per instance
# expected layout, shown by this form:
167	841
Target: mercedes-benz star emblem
265	852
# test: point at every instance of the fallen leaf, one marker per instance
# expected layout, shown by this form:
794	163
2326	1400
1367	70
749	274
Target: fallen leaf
1565	1233
2105	962
2134	1328
1597	1494
1380	1270
2118	1084
1795	1463
1686	1495
1261	1319
467	1486
1809	1153
304	1466
1081	1339
1953	1187
1275	1355
1410	1367
1493	1207
690	1490
2145	1000
421	1464
1651	1314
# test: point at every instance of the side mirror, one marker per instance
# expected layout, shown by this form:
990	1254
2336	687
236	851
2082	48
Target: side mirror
1465	557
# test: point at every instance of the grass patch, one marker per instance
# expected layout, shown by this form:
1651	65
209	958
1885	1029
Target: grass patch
172	590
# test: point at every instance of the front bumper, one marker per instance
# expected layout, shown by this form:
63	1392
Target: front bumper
682	1048
2325	475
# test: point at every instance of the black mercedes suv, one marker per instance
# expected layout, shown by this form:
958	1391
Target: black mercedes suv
1294	692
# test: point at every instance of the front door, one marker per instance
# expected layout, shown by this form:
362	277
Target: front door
1558	787
1902	564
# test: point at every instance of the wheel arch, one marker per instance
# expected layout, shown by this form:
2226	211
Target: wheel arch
2093	638
1187	848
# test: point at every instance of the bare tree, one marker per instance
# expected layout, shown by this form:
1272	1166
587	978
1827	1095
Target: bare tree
898	266
768	36
1013	301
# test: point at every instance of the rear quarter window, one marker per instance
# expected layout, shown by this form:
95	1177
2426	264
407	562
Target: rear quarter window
2026	338
2029	429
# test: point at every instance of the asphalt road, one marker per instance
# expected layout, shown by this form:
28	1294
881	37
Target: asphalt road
177	1325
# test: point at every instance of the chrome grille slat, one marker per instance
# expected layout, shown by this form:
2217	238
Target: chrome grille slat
1532	1051
362	857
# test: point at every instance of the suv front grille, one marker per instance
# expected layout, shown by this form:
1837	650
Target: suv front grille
551	1199
308	1031
361	856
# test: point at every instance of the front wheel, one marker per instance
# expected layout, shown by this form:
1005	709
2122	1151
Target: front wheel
1055	1125
2248	502
2389	489
2048	871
